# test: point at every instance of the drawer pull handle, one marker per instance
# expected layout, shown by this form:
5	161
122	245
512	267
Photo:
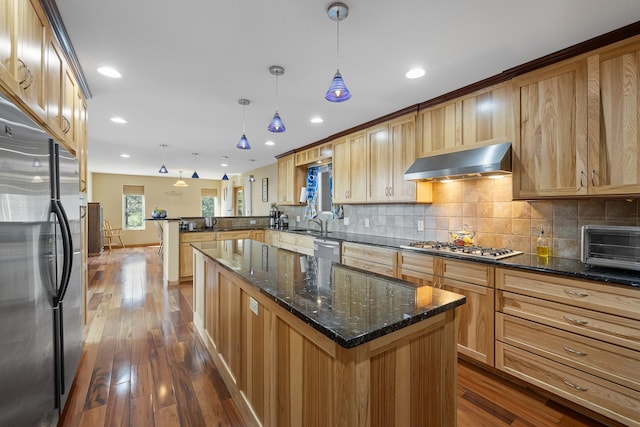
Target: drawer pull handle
575	293
577	387
575	321
576	352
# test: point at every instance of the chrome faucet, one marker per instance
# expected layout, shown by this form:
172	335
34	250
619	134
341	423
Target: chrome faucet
319	222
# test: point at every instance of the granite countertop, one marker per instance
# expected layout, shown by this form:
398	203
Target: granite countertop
554	265
320	293
214	229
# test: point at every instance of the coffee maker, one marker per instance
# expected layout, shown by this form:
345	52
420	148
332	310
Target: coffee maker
273	218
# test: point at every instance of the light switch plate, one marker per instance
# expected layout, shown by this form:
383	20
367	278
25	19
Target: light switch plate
346	220
420	225
252	221
297	218
253	305
366	222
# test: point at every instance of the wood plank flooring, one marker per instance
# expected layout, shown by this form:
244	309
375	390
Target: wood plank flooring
144	365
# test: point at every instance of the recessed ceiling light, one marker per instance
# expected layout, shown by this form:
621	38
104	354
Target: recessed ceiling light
269	143
109	72
124	156
224	165
119	120
415	73
317	120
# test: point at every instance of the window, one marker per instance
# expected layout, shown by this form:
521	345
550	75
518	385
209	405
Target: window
133	207
209	198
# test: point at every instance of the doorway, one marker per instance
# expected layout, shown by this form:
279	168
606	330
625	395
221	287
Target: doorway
238	200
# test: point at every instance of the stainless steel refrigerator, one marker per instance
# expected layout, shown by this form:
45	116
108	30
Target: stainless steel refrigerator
40	279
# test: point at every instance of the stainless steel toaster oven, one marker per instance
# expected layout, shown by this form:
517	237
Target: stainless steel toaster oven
611	246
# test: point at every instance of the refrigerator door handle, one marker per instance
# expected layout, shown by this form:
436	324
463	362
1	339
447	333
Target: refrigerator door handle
67	250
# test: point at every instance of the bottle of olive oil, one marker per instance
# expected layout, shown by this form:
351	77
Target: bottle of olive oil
542	247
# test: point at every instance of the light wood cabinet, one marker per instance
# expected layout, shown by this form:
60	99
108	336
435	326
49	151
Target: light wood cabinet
575	338
614	120
296	242
350	169
290	180
272	237
482	117
390	152
438	129
62	96
317	154
551	146
474	319
371	258
185	251
23	52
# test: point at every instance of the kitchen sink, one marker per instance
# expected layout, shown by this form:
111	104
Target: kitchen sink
309	231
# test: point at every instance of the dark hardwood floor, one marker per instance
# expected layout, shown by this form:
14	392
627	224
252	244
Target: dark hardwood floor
144	365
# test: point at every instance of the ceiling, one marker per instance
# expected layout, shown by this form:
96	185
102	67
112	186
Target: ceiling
185	65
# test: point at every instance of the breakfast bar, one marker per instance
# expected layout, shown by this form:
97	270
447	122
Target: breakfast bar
302	341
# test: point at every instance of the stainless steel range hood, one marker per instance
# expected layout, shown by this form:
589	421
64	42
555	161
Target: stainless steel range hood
482	161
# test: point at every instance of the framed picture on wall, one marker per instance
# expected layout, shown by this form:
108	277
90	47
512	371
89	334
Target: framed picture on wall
265	189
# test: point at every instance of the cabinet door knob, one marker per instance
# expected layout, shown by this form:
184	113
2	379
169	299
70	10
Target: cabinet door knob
581	176
26	71
593	177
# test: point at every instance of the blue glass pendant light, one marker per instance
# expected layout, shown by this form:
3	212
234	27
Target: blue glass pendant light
163	168
338	91
276	124
225	164
195	173
243	144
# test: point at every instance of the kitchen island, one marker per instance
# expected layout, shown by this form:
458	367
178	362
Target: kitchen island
300	341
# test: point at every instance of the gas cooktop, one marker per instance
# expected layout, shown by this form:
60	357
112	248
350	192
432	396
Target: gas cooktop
472	251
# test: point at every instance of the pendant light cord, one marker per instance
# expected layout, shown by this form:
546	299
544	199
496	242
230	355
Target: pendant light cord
276	92
338	40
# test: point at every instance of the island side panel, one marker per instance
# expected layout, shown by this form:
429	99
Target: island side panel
283	372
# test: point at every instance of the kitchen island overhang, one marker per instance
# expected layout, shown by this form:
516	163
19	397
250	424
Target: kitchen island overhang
301	341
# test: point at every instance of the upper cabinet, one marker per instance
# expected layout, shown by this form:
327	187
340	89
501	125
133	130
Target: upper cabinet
315	154
22	52
479	118
391	151
613	119
290	180
350	169
579	126
551	147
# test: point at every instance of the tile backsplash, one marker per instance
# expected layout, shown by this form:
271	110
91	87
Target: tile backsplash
487	206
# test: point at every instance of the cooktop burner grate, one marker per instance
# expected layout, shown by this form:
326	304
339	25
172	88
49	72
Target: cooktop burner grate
472	251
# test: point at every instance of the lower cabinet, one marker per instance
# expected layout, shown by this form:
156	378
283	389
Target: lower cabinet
575	338
474	319
185	253
371	258
296	242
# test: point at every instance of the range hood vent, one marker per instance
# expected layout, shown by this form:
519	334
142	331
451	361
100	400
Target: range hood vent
482	161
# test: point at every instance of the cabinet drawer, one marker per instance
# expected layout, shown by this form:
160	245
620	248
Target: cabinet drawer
373	267
230	235
602	396
197	237
371	254
475	273
621	300
605	327
420	263
601	359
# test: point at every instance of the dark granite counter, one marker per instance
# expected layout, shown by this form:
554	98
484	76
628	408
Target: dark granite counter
552	265
214	229
321	293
